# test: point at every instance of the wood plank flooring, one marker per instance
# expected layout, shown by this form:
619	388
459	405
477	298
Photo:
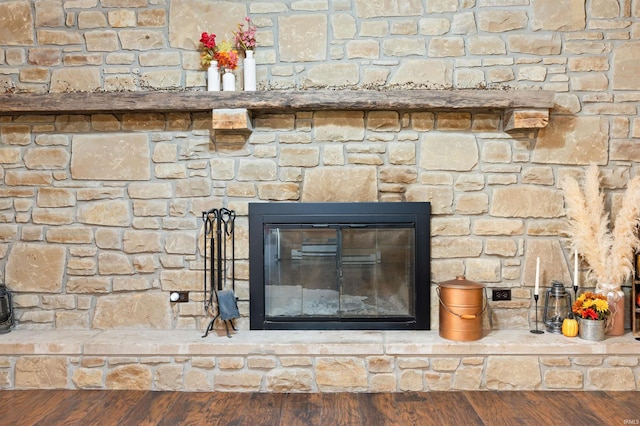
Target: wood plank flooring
98	407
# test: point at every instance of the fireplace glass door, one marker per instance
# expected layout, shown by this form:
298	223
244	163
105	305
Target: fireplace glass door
332	272
339	266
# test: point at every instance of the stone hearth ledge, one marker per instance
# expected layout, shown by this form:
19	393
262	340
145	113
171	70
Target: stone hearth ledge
127	343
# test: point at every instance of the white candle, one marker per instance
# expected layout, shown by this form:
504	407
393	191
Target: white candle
575	269
536	288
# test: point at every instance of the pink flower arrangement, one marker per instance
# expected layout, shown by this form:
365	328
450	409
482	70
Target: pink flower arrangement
246	38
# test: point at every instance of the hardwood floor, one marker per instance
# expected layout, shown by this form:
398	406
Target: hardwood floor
98	407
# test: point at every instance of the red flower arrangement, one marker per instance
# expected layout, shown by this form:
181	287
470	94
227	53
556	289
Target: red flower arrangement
245	39
208	41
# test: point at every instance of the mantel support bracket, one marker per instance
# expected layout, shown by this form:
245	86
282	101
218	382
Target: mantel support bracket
525	118
233	120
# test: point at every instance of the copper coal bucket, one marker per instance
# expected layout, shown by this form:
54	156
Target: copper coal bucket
462	304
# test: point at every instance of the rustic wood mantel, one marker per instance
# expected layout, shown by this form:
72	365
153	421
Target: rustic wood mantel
523	109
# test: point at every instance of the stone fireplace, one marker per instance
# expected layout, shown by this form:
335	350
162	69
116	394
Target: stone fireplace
339	265
108	156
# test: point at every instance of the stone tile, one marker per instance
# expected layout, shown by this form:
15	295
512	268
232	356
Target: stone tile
411	380
611	379
133	377
290	380
198	381
499	21
341	374
87	378
433	73
516	373
468	378
368	9
246	381
438	381
383	383
41	372
169	377
301	48
119	156
322	184
563	379
149	310
527	201
445	151
546	17
625	66
35	268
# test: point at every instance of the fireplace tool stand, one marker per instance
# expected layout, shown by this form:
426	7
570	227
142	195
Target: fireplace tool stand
218	231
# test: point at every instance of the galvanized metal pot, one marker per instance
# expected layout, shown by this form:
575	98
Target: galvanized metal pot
591	329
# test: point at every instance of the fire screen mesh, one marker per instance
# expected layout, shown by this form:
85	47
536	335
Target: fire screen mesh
339	272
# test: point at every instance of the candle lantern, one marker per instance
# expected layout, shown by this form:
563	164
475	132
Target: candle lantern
557	305
6	310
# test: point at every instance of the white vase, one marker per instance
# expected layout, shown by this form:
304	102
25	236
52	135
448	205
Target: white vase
249	71
213	77
228	81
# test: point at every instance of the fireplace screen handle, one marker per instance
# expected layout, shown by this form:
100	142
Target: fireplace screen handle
350	225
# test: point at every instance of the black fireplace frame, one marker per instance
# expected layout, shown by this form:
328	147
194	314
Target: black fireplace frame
358	214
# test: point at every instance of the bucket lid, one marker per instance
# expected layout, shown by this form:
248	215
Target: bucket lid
461	282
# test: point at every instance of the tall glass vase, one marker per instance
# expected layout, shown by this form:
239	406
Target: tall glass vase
228	81
213	77
249	71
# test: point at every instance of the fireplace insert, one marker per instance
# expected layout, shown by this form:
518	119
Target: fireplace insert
339	266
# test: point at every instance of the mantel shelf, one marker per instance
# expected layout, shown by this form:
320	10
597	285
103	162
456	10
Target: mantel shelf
528	107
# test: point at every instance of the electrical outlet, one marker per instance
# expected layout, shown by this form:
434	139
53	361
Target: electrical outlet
501	294
179	296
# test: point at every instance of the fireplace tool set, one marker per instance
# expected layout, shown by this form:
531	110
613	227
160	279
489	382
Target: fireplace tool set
218	231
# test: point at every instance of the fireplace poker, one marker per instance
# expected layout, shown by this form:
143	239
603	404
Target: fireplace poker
208	237
228	217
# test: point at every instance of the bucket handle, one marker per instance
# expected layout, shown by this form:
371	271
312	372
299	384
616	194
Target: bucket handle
463	316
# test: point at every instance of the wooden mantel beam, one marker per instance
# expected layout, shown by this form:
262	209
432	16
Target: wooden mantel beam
523	108
411	100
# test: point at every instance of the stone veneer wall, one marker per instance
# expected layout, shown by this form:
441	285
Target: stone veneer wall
101	212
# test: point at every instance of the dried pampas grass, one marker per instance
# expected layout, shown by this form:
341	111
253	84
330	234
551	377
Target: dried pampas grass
608	253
